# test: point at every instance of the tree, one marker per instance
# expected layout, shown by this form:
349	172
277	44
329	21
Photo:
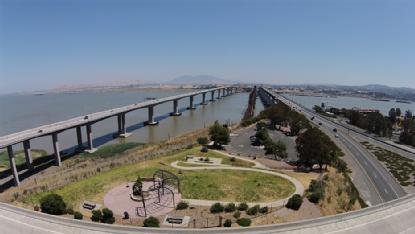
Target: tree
277	149
77	215
261	136
219	134
408	114
392	115
398	112
52	204
202	141
96	215
314	147
294	202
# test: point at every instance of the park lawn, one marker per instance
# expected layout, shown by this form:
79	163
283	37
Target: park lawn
185	164
234	185
226	185
19	157
225	159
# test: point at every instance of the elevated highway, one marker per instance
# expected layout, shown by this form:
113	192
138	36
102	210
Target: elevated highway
88	120
397	216
387	188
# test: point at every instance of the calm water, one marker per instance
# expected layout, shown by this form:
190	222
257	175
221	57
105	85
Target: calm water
350	102
20	112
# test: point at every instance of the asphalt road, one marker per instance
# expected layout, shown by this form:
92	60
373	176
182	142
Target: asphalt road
386	186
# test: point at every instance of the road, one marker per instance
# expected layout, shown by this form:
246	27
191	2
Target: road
387	188
397	216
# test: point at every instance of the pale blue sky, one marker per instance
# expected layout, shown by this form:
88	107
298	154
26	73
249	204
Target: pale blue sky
47	43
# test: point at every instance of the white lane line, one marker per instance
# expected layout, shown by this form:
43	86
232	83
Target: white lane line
29	225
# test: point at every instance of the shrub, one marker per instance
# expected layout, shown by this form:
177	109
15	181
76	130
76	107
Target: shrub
151	222
230	207
53	204
237	214
202	141
316	191
204	149
36	208
263	210
233	159
243	206
96	215
216	208
244	222
77	215
227	223
253	210
107	216
69	211
182	205
294	202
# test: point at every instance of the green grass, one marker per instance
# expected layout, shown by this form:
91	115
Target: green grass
225	159
224	185
19	157
184	164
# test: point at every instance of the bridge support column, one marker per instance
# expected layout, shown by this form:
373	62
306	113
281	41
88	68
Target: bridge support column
28	154
212	96
90	139
191	104
203	99
218	94
56	150
79	138
223	93
122	130
13	165
151	116
175	108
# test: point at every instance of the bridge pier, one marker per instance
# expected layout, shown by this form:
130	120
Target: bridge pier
122	130
212	96
79	138
191	104
175	108
89	137
223	93
13	165
151	116
203	99
28	154
219	97
56	150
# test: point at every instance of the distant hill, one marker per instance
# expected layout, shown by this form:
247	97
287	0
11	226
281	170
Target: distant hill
199	79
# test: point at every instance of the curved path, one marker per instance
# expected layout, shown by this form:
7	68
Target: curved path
299	188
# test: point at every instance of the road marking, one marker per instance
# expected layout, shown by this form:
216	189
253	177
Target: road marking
386	191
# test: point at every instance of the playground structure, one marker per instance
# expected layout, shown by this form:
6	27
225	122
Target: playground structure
163	181
152	196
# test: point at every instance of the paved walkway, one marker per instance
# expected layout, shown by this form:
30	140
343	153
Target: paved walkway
299	188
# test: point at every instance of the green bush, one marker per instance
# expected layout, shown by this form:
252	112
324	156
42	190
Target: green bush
182	205
294	202
227	223
216	208
316	191
69	211
151	222
96	215
107	216
233	159
244	222
77	215
263	210
202	141
230	207
53	204
253	210
237	215
243	206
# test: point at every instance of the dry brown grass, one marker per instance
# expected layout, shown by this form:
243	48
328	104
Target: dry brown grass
336	195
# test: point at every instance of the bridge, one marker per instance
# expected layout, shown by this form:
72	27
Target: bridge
88	120
396	216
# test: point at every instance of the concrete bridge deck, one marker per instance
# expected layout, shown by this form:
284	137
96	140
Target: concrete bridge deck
397	216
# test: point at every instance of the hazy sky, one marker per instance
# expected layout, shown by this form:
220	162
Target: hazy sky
47	43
